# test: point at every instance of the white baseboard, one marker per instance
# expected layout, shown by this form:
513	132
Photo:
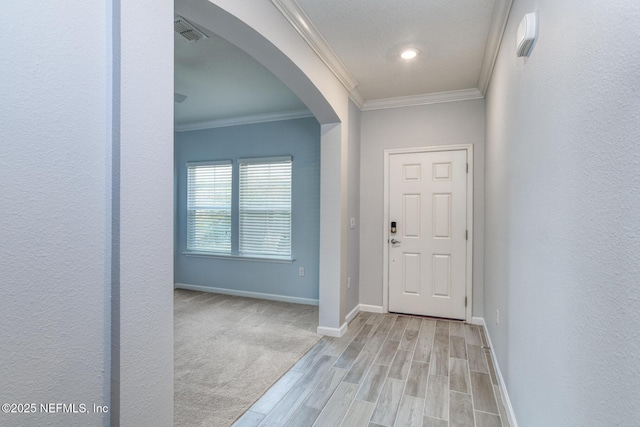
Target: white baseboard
503	387
371	308
352	315
258	295
478	321
333	332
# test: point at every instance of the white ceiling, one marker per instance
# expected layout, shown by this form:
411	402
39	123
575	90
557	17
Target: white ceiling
368	35
360	40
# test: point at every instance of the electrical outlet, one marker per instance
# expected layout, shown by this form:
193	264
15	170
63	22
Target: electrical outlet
353	223
497	317
301	271
348	282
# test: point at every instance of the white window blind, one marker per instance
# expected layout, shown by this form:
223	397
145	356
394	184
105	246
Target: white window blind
265	207
209	207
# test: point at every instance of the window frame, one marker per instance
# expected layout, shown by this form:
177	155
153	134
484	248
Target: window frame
189	245
277	224
234	230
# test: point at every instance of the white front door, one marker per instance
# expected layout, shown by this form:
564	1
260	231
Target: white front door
428	251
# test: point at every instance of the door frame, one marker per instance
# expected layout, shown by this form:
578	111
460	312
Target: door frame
385	243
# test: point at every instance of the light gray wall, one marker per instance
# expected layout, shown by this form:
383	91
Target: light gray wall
53	150
71	144
437	124
145	235
353	236
563	214
299	138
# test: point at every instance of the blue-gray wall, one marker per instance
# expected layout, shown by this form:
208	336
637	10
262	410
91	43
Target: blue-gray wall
299	138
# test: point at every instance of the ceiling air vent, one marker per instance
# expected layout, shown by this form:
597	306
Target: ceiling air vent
187	30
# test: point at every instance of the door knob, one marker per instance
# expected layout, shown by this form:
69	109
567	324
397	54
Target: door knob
394	241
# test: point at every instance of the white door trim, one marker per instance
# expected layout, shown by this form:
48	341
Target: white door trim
385	245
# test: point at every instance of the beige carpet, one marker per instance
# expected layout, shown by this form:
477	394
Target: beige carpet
230	350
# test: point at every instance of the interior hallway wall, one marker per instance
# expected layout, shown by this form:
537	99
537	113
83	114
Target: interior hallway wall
86	211
54	152
563	214
353	236
450	123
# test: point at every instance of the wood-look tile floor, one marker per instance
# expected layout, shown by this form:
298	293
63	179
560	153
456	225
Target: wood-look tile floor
388	370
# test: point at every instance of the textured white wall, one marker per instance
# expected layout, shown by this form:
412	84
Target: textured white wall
563	214
54	304
146	214
56	212
438	124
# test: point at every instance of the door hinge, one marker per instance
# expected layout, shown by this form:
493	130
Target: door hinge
465	301
466	234
467	167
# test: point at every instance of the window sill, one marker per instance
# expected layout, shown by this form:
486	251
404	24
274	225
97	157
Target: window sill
238	257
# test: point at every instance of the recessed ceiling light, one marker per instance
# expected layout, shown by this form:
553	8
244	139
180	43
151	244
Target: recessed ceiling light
409	53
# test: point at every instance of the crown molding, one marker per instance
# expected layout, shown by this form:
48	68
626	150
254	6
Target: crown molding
244	120
496	32
357	98
430	98
305	27
301	22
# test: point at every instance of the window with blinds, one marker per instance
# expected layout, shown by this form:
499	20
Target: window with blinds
209	207
265	207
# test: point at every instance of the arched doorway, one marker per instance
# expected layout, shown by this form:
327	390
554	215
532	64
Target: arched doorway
262	32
